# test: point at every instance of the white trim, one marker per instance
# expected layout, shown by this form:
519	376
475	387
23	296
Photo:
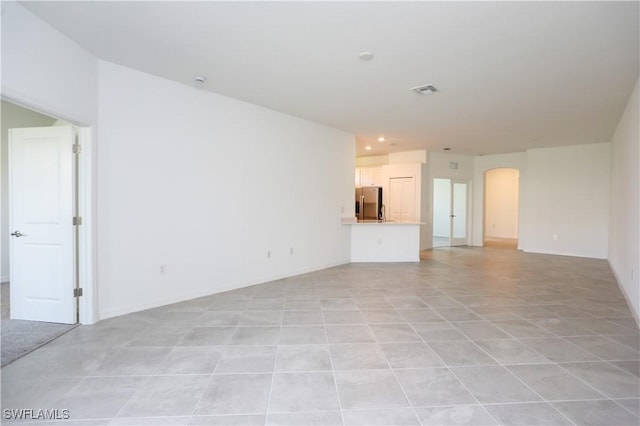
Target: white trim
4	280
170	300
23	101
86	209
624	293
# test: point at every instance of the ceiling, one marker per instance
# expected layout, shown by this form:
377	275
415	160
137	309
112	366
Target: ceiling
510	75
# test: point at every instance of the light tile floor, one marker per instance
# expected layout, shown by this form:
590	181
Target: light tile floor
467	336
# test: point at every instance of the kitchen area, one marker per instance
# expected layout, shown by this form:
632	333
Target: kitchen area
389	207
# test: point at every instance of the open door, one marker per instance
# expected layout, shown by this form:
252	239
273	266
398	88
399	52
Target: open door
41	215
459	196
450	207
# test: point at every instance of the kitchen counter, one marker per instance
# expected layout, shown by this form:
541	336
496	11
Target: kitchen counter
384	222
384	241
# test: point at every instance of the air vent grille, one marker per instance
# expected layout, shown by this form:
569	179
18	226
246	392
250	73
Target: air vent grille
425	89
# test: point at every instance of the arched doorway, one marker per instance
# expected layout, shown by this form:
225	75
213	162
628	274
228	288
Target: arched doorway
501	194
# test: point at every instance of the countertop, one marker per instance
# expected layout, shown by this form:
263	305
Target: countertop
352	221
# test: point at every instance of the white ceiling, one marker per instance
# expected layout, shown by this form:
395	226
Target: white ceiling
510	75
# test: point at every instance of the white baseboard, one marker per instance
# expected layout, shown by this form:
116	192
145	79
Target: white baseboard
636	315
155	303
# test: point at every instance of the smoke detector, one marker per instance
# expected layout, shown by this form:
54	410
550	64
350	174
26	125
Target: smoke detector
425	89
199	78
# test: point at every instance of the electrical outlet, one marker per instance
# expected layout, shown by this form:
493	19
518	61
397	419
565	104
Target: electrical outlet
269	254
555	237
163	269
290	250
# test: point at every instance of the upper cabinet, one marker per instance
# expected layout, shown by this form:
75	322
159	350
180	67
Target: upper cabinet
369	176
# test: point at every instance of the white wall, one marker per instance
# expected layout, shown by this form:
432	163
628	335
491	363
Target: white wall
45	70
440	166
207	185
568	197
624	227
13	116
419	156
501	203
376	160
488	162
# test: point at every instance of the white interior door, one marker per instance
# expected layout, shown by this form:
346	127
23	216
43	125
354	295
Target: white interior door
402	199
441	212
41	205
459	208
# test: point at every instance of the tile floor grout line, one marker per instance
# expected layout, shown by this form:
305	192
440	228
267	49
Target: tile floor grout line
615	401
204	390
567	371
273	373
457	378
333	370
601	360
601	392
499	364
404	393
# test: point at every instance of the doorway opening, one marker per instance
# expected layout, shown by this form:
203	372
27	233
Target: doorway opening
501	195
41	242
450	212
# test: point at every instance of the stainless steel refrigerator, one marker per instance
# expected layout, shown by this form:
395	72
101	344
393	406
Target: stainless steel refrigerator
369	203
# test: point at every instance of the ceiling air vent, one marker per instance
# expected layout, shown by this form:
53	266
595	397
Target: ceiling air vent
424	90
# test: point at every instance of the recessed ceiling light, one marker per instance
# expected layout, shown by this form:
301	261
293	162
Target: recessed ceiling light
366	56
199	78
368	147
381	139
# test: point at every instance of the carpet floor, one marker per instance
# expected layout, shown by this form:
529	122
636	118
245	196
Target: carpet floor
21	337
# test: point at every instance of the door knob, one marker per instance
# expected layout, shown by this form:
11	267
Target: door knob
18	234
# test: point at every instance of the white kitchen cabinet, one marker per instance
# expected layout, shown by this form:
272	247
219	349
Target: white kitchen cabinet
402	199
369	176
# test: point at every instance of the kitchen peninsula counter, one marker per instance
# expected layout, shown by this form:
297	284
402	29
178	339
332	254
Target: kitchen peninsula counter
385	241
383	222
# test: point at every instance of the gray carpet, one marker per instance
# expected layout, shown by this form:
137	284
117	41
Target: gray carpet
21	337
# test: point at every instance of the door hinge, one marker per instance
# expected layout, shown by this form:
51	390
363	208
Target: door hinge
77	148
77	292
77	220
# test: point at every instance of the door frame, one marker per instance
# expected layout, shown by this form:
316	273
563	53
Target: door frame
86	207
468	208
484	202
